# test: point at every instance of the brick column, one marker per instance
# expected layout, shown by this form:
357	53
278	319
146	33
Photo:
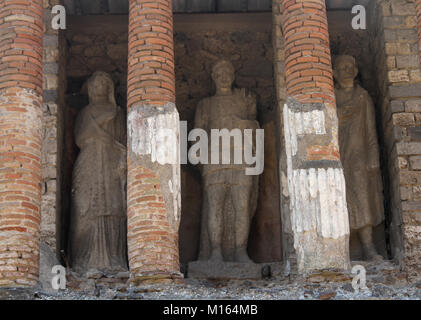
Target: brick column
153	186
319	216
20	140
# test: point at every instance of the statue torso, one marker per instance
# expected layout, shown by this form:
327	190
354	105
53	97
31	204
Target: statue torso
352	110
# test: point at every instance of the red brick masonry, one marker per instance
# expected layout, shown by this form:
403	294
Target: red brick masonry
152	240
20	140
308	65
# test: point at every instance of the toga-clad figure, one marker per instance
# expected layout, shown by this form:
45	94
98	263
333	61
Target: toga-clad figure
227	109
359	151
98	213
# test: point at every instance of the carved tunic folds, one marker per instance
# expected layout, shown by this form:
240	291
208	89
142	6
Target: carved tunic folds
98	220
237	111
360	157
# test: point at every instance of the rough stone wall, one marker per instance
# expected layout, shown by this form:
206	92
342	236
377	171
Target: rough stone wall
54	85
96	44
20	141
395	42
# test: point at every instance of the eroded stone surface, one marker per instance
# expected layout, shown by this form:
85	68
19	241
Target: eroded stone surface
225	232
98	219
359	154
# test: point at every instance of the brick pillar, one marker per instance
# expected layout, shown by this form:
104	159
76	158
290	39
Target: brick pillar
319	216
20	140
153	186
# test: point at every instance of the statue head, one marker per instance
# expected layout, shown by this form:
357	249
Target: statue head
345	70
101	88
223	73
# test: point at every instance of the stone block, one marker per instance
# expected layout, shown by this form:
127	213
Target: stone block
410	90
393	48
409	61
406	193
411	205
415	75
413	105
410	178
415	133
415	162
408	148
397	106
398	76
403	8
403	119
391	62
232	270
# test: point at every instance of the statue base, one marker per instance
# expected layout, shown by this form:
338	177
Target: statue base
233	270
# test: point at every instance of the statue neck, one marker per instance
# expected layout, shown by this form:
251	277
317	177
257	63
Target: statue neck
348	87
99	100
223	91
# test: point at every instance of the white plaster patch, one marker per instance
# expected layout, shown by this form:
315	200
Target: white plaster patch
175	189
317	196
157	136
312	122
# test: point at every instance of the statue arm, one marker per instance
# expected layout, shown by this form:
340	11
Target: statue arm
82	129
252	102
201	121
105	115
201	118
373	144
252	109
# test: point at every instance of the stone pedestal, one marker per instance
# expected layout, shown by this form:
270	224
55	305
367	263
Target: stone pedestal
232	270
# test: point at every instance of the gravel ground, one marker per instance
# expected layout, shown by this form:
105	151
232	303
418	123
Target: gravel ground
383	282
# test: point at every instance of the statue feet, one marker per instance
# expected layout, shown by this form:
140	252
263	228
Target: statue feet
242	256
216	256
372	255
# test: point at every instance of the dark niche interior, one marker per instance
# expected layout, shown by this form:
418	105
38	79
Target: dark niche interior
100	43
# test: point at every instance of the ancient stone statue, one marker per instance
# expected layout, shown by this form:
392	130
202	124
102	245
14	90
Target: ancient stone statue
223	183
359	154
98	214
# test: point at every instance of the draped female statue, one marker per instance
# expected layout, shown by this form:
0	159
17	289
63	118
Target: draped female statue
98	213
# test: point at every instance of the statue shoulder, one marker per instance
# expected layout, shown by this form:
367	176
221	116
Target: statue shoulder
83	113
363	93
202	105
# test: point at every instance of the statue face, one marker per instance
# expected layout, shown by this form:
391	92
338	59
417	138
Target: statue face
100	86
345	71
223	78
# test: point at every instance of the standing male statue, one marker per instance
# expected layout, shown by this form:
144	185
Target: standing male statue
359	154
228	109
98	215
